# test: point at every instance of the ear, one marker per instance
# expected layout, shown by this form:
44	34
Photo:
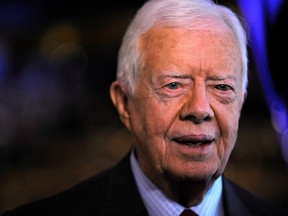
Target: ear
244	98
119	97
245	95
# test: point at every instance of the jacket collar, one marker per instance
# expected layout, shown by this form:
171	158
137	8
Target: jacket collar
233	205
123	197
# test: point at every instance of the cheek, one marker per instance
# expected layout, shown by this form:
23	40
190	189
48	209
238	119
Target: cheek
150	123
228	125
227	116
154	117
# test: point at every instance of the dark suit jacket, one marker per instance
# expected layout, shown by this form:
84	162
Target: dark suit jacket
114	192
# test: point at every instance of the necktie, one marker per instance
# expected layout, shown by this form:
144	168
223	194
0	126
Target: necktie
188	212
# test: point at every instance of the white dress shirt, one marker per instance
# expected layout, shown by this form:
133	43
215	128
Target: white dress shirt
158	204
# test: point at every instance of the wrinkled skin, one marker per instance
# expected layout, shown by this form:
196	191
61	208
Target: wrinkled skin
185	109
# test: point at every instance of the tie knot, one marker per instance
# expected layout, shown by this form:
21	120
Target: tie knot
188	212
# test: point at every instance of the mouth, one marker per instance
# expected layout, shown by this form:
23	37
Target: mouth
194	140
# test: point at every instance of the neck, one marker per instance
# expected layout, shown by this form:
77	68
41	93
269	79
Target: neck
186	192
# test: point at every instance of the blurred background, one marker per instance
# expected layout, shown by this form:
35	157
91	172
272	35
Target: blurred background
58	126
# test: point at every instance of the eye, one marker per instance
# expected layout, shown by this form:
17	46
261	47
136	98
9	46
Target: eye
223	87
173	85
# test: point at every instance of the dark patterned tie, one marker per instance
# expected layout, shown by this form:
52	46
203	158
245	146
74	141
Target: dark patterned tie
188	212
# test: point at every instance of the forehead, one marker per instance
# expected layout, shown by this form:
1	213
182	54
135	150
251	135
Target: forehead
180	44
172	33
207	24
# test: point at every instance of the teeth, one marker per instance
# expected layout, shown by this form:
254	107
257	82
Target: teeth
193	143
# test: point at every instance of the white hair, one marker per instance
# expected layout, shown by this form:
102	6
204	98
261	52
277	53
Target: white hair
179	13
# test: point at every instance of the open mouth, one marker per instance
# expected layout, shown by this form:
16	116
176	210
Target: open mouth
193	141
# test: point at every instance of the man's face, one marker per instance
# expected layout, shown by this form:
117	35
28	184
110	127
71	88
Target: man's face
185	109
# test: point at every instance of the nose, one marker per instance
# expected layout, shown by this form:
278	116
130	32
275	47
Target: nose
196	107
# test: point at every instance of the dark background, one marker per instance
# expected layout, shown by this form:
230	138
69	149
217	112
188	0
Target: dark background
57	124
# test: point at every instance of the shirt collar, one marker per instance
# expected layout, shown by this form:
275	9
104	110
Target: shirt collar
157	203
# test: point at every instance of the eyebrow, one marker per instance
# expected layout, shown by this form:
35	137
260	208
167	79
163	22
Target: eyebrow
222	77
182	75
173	74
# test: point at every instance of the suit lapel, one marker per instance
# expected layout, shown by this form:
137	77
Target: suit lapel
123	197
233	204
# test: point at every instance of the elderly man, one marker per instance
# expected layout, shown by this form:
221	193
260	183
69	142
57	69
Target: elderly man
181	84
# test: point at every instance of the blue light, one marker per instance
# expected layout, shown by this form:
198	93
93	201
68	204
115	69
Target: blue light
273	7
255	16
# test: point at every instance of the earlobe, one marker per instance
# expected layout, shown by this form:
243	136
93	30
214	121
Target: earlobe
245	95
244	98
119	98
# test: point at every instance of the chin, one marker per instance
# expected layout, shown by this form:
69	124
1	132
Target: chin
198	173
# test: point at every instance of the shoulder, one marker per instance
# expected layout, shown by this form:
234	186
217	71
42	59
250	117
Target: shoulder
77	200
112	192
237	199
